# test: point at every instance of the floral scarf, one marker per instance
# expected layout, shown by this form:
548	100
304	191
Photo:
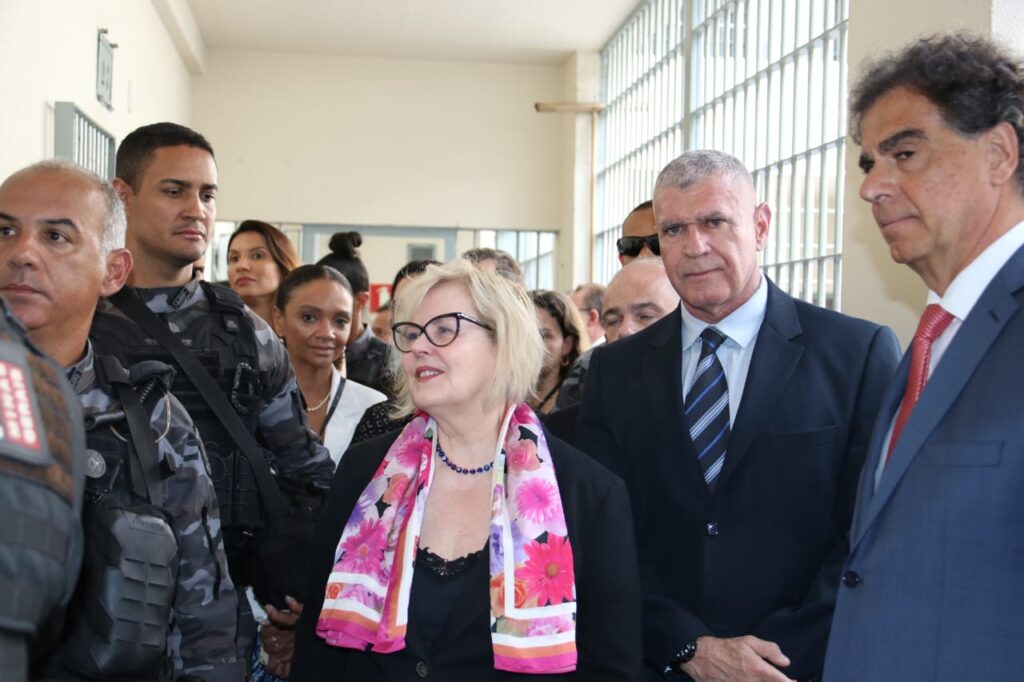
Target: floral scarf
532	587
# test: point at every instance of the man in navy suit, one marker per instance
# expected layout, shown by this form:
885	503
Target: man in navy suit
933	588
740	423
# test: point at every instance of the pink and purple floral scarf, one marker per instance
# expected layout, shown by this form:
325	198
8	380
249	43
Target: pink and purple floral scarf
533	587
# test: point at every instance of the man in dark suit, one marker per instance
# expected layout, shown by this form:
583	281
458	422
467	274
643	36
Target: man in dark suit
933	588
740	424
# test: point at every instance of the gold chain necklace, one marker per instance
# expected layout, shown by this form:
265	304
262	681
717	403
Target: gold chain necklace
319	404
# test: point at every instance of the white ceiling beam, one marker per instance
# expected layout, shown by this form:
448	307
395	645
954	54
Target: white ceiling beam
181	26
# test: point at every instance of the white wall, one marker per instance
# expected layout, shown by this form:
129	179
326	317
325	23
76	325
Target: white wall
320	139
49	55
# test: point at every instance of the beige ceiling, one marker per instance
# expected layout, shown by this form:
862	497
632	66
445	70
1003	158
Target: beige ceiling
519	31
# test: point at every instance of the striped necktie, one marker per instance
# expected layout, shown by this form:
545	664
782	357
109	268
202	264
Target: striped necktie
707	408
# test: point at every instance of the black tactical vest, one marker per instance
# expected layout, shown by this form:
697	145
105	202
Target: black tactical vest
224	342
117	625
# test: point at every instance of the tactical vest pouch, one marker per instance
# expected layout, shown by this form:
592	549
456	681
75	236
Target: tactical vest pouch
118	629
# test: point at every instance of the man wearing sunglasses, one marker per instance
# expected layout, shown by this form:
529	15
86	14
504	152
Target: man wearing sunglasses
740	423
639	238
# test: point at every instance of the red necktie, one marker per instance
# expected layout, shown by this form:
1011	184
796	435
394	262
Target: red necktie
932	324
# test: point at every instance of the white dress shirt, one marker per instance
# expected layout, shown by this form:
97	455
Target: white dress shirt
740	329
960	298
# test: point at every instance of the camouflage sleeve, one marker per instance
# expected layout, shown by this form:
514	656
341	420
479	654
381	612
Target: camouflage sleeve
203	629
298	453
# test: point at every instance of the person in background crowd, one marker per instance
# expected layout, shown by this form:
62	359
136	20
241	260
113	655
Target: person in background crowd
366	356
639	236
313	315
740	424
564	337
588	300
472	545
259	257
381	323
932	587
61	247
496	260
639	295
379	419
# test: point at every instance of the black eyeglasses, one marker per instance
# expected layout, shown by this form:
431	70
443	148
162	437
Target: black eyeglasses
632	246
440	330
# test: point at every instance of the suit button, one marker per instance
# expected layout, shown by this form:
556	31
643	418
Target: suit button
422	669
851	579
712	529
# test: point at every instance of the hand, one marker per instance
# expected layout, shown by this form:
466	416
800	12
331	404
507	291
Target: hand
277	635
740	659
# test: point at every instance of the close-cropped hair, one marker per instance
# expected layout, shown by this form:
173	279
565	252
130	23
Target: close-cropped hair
137	148
642	206
974	83
561	307
593	295
411	269
502	305
114	221
278	244
698	165
344	257
304	274
504	264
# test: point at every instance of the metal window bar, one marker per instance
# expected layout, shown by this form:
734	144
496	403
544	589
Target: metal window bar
534	250
78	138
764	80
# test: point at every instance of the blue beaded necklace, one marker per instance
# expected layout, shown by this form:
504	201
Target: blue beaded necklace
461	470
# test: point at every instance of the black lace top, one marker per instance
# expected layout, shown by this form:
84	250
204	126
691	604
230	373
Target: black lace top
436	585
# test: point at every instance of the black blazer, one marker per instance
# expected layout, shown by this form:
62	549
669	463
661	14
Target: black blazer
762	555
600	525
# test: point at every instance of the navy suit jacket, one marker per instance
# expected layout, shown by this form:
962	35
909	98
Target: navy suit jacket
935	588
597	514
762	555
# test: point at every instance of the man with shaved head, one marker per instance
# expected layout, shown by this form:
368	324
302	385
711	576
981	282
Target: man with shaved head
740	423
639	295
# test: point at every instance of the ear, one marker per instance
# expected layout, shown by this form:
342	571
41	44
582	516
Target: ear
124	190
362	299
622	260
593	317
567	343
1003	153
119	265
762	221
278	319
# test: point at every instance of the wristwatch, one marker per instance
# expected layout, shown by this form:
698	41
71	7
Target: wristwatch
685	655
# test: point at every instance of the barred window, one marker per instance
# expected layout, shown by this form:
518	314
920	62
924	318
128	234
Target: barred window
764	80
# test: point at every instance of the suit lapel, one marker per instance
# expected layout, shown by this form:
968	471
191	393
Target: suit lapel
986	320
866	489
775	358
662	372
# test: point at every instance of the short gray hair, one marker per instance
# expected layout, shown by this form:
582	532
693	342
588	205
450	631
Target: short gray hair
698	165
114	222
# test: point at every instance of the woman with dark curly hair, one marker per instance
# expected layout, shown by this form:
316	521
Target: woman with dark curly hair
565	339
